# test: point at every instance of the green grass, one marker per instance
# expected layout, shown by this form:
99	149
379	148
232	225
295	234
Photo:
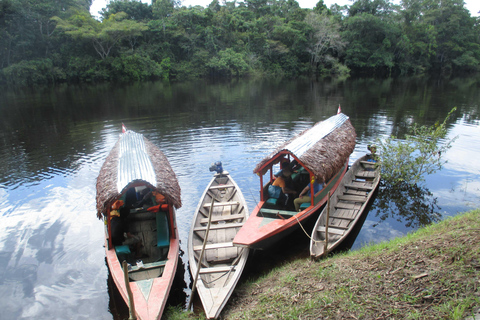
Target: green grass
429	274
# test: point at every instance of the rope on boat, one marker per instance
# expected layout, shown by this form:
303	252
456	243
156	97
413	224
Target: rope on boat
305	231
326	225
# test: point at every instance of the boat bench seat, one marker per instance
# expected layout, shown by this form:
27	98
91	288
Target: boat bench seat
272	201
123	252
305	205
274	213
163	234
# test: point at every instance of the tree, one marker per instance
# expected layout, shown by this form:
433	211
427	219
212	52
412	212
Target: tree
373	35
419	154
103	36
325	41
439	35
135	10
228	62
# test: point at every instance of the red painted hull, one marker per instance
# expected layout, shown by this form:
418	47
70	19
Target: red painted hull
260	232
153	307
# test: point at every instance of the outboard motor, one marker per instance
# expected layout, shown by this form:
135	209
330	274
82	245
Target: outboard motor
217	166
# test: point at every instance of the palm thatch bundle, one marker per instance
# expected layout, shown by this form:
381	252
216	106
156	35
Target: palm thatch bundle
326	157
166	180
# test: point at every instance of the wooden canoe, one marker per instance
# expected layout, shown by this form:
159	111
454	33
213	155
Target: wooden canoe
320	154
346	206
222	263
135	166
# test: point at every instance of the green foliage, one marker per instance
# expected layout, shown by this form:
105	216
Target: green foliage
135	10
30	72
419	154
235	38
228	63
138	67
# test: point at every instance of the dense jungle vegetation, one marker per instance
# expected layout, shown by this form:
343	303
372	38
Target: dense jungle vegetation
53	41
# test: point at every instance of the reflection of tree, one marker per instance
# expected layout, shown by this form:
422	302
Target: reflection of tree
407	202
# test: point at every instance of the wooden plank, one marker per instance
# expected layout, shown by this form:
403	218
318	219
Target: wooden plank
343	226
359	187
344	205
332	230
148	266
365	174
214	246
216	269
222	186
368	163
221	204
352	198
220	226
223	218
345	215
275	211
355	192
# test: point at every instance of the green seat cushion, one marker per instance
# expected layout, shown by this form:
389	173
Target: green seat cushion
163	234
305	205
272	201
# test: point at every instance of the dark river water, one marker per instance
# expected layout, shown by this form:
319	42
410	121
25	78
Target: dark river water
53	142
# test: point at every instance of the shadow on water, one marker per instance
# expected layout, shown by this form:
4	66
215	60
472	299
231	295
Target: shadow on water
410	203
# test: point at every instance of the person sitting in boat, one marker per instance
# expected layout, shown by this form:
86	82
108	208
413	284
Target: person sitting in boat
284	181
284	164
119	228
372	157
305	196
150	198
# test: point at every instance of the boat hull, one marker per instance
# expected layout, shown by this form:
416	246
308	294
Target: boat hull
222	263
347	205
149	298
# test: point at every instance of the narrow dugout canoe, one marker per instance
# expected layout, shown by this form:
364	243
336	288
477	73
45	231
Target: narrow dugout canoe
319	154
137	190
346	206
222	263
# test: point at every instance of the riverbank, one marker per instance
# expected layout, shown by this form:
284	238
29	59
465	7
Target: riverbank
433	273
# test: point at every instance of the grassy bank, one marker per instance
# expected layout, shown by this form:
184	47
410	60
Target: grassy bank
433	273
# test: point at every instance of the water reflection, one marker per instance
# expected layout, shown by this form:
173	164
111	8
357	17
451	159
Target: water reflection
53	142
412	204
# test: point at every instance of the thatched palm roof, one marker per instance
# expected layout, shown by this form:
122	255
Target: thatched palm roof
165	180
323	149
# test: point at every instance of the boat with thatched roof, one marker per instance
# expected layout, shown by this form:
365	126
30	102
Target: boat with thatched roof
137	194
314	161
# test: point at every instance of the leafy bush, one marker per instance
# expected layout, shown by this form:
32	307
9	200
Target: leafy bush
228	62
138	67
418	155
30	72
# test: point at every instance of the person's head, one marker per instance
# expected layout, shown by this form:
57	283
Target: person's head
286	172
285	164
372	148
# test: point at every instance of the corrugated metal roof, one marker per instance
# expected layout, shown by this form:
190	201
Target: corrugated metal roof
311	136
133	161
